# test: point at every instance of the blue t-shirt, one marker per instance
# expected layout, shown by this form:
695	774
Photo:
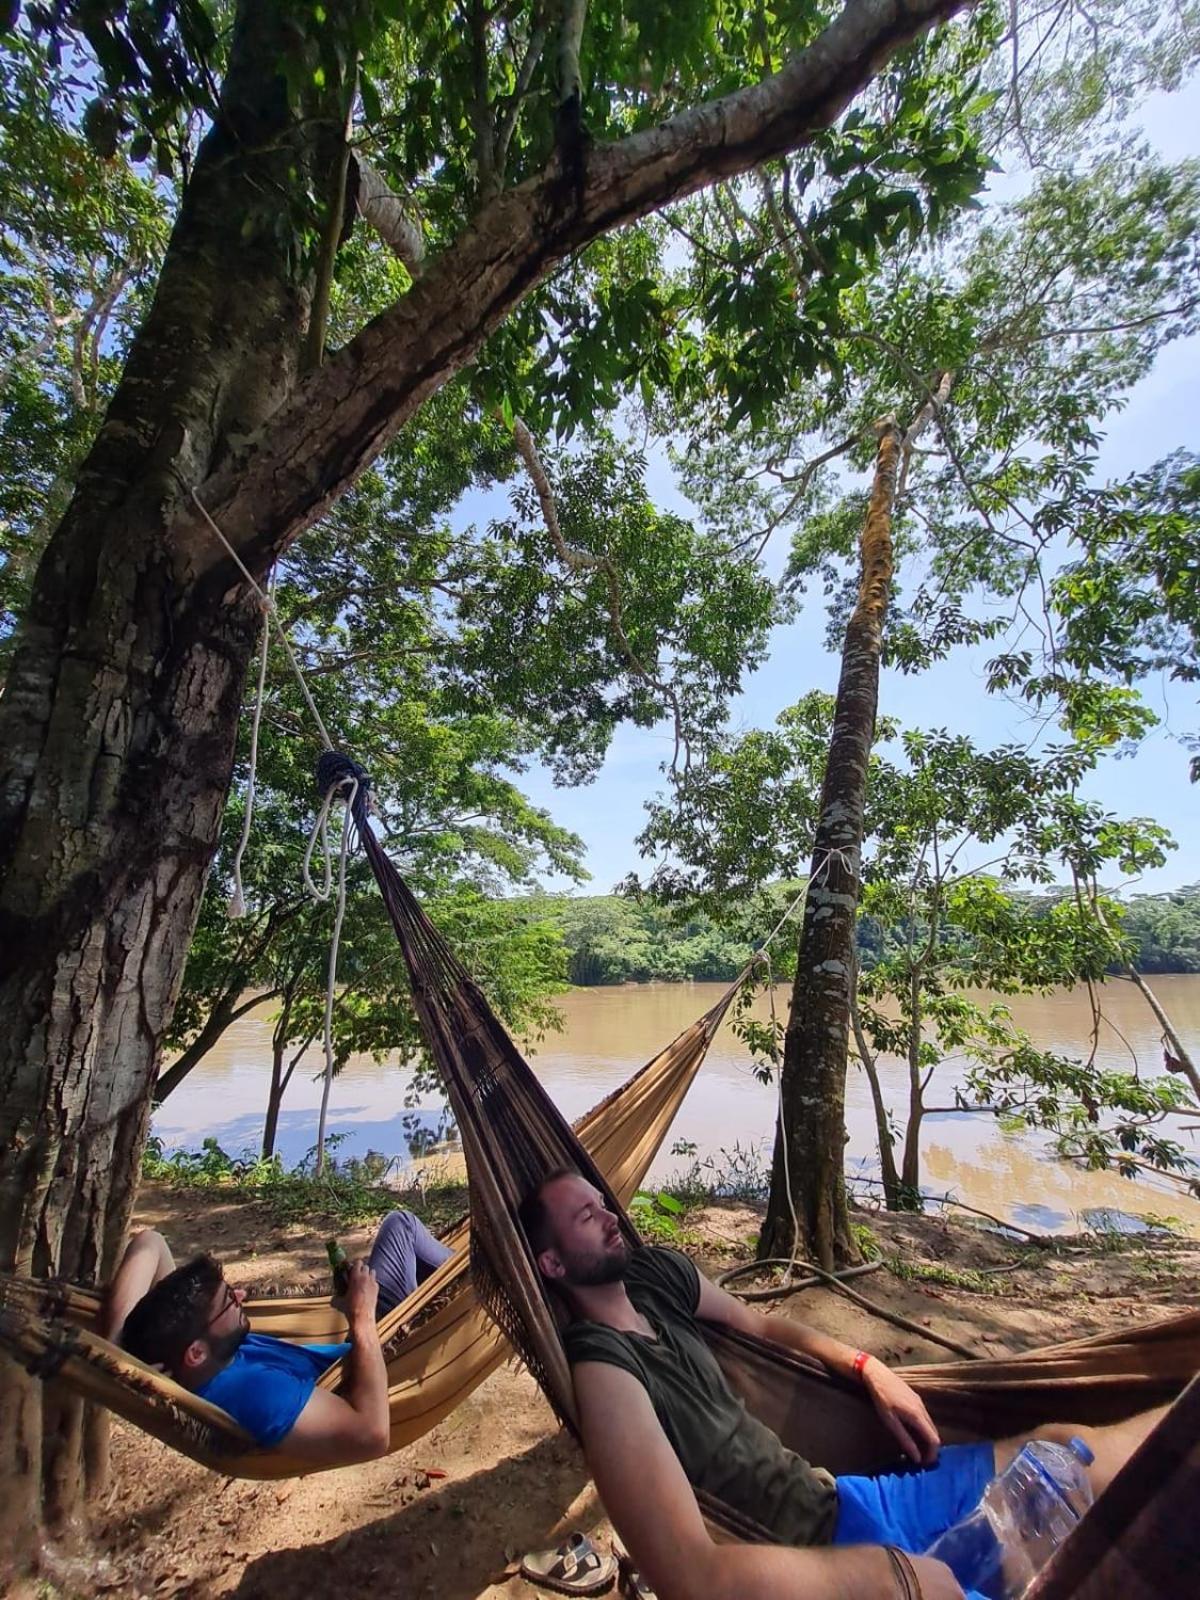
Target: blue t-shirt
268	1383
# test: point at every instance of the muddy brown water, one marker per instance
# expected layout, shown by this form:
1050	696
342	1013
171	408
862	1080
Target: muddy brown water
728	1116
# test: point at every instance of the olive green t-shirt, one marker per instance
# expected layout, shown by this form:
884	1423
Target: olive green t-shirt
723	1449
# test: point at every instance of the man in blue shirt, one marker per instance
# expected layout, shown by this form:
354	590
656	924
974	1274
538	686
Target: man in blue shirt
191	1323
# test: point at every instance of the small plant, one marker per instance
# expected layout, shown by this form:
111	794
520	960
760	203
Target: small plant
348	1191
937	1272
737	1174
864	1238
657	1216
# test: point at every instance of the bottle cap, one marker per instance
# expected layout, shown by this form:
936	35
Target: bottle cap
1082	1450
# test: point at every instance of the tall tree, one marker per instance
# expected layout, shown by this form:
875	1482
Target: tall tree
807	1202
1045	311
119	715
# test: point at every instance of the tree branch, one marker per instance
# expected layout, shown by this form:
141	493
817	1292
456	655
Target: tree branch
576	560
383	210
482	115
570	39
338	419
506	122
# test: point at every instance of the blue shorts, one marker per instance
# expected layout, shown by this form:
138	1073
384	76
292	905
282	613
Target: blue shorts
914	1506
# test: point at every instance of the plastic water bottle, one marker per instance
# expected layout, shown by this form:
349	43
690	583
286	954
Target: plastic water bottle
1025	1514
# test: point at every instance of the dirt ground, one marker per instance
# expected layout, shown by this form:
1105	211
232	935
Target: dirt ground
450	1517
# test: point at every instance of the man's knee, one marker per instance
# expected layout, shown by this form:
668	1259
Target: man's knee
396	1222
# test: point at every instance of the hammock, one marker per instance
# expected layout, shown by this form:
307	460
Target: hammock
513	1135
439	1343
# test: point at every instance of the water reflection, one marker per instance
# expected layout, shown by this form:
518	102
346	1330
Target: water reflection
609	1033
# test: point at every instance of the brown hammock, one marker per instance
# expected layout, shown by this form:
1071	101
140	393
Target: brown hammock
440	1344
513	1135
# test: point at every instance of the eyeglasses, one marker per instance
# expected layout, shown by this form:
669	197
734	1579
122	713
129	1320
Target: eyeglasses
229	1300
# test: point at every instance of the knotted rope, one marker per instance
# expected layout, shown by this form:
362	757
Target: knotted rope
338	778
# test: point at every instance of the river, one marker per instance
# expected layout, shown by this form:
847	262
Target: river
608	1033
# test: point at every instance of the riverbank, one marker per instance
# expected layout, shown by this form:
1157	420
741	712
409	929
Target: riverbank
450	1516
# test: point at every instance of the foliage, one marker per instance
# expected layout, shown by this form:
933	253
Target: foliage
657	1217
1163	931
976	1282
348	1191
935	924
739	1173
80	240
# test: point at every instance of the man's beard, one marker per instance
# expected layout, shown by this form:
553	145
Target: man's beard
589	1269
227	1345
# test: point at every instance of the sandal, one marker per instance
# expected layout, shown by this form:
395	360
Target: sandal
576	1567
630	1581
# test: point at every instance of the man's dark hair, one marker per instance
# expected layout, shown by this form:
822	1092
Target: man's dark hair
532	1214
177	1310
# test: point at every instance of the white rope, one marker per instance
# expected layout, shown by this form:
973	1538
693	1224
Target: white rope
269	607
347	791
237	901
319	830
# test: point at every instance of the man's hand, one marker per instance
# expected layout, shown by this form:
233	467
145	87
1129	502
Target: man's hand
903	1412
362	1293
936	1580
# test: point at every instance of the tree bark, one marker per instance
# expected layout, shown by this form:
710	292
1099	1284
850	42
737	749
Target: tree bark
118	720
811	1133
117	730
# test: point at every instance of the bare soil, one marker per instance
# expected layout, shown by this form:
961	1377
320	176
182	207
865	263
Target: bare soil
450	1516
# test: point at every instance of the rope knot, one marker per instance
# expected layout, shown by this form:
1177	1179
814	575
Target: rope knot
337	771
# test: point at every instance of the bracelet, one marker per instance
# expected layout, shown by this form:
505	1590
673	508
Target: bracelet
908	1585
860	1360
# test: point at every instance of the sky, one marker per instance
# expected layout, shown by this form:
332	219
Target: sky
609	813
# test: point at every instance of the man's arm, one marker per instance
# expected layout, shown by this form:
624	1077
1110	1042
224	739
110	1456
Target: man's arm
335	1430
899	1406
147	1259
651	1503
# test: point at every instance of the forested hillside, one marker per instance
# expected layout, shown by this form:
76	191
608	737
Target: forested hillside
618	939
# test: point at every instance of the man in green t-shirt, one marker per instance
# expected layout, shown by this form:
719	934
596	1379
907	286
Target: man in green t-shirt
658	1420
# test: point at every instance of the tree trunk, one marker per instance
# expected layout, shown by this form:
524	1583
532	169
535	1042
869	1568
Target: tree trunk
811	1133
118	725
280	1078
228	1009
883	1132
274	1101
1181	1058
910	1175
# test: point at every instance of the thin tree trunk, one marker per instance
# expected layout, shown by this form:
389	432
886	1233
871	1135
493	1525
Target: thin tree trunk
883	1131
223	1015
1182	1055
811	1134
910	1176
279	1077
1179	1051
274	1100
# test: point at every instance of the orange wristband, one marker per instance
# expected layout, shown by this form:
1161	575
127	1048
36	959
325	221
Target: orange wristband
859	1362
